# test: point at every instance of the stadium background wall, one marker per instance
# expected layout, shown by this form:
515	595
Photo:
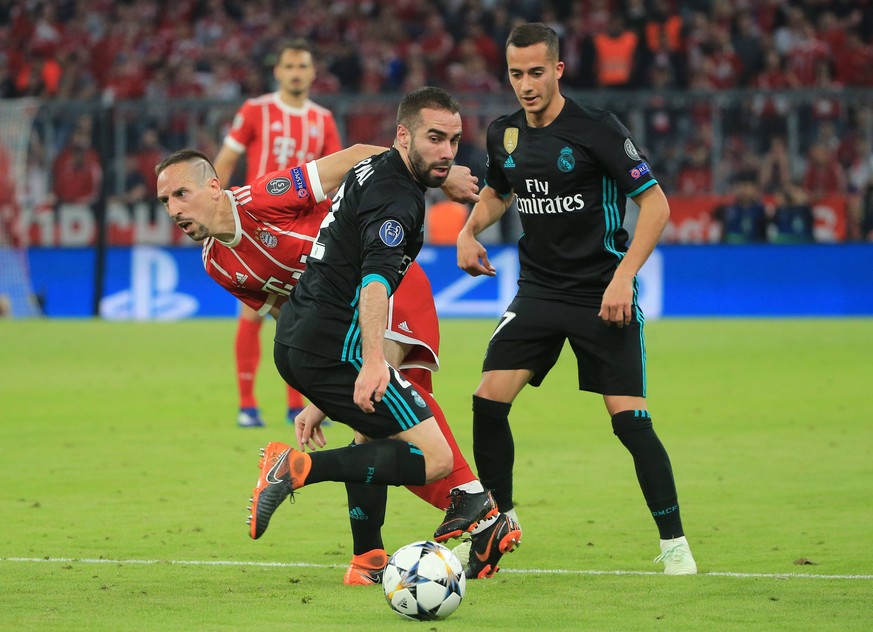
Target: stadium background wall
168	283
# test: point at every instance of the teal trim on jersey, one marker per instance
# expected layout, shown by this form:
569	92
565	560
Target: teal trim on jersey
414	450
375	278
647	185
353	335
611	216
352	342
641	319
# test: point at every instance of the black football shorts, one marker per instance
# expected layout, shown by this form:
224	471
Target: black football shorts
531	333
330	385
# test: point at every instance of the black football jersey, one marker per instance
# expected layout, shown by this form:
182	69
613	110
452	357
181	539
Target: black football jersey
572	179
374	230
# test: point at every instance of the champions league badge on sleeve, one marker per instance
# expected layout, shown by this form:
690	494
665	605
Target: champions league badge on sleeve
391	233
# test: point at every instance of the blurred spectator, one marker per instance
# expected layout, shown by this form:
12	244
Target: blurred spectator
775	173
770	111
744	220
823	175
860	215
695	175
722	65
149	152
664	37
77	173
792	220
747	44
134	188
77	80
853	62
860	171
615	53
443	222
7	83
739	162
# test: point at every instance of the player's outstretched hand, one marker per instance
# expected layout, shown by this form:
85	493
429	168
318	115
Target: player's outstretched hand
307	427
461	185
472	256
370	385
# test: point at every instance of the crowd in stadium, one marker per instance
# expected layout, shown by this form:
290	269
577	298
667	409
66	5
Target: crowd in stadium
111	50
224	48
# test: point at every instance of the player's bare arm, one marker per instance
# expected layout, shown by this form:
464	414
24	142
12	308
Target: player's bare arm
472	256
225	164
373	378
615	309
332	169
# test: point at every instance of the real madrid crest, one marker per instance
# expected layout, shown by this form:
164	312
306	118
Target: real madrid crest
566	161
510	139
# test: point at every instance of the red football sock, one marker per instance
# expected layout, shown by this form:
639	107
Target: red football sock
437	493
248	356
295	399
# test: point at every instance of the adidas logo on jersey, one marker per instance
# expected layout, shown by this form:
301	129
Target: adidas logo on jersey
241	278
276	126
509	164
404	327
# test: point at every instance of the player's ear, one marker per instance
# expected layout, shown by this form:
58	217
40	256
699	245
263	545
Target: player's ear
559	69
403	135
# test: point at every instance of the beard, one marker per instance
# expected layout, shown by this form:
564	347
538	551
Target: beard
422	169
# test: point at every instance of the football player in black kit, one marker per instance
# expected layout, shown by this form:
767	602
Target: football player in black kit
570	168
329	334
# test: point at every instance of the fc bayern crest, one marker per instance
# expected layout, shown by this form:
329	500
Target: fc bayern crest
268	239
566	161
391	232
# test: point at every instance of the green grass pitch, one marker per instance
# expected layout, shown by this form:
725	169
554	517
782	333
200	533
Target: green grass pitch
125	481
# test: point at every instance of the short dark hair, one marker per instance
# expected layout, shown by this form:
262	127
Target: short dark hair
535	33
187	155
298	43
428	97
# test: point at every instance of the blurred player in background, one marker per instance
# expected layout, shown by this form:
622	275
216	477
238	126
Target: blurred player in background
256	240
275	131
571	169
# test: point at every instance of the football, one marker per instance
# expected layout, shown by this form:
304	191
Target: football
424	581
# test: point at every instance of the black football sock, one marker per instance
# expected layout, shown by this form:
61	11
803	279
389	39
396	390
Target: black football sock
367	515
493	448
654	473
381	462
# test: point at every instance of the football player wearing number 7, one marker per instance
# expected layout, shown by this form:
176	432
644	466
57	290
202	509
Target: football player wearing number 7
257	240
571	169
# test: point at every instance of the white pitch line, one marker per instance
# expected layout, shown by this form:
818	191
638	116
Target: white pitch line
529	571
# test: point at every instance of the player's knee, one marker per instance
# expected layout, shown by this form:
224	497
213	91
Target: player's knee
439	463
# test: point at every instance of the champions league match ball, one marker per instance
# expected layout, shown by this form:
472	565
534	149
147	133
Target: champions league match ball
424	581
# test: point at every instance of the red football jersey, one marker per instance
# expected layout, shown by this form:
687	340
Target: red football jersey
275	136
278	217
277	220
